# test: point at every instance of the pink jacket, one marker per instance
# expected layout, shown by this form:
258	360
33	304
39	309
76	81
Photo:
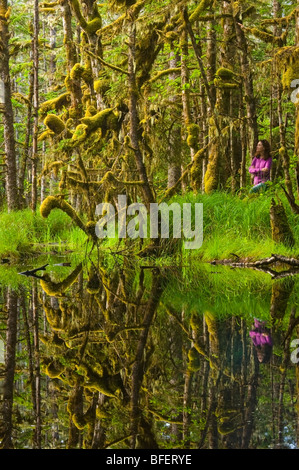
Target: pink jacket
256	165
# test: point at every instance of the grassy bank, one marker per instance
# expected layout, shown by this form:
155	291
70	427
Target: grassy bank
24	234
230	225
240	226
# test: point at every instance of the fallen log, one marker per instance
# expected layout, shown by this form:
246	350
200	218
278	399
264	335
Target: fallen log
31	272
262	262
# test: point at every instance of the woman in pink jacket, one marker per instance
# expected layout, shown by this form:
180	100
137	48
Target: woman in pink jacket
260	166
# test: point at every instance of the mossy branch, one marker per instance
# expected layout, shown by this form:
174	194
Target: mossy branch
203	5
103	62
55	103
57	289
164	72
131	13
57	202
283	21
90	27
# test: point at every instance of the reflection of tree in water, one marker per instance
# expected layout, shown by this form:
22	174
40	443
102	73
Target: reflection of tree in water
136	371
99	350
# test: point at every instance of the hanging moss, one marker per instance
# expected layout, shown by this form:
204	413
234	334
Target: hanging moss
56	103
54	123
57	202
222	84
102	85
45	135
79	421
287	61
124	3
47	11
281	231
211	175
248	11
196	170
108	386
193	135
93	284
211	324
58	289
264	36
54	369
194	362
203	5
93	26
80	133
225	73
230	421
80	72
49	4
105	120
91	111
226	78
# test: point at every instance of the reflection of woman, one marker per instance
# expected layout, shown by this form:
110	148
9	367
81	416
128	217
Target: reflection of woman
262	340
260	166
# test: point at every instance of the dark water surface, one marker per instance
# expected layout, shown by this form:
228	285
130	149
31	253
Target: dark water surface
113	355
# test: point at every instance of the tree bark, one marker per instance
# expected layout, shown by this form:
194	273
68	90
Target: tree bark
8	117
35	106
10	363
134	120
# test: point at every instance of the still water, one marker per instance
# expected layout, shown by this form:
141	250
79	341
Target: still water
116	354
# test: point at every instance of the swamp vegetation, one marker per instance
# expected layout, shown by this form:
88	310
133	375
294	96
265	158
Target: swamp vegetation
142	344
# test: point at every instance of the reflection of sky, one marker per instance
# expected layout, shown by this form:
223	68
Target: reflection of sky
1	91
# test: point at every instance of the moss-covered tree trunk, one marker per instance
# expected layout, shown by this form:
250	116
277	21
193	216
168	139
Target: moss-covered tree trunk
6	435
8	116
134	120
174	162
247	75
35	54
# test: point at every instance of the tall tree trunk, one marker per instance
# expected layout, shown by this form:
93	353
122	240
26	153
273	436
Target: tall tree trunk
248	85
138	365
134	120
8	118
37	377
211	71
10	362
26	151
174	167
35	107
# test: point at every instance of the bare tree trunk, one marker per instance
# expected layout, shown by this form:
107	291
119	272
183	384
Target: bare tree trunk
8	118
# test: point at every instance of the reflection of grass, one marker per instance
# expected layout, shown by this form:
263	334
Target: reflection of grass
224	291
23	232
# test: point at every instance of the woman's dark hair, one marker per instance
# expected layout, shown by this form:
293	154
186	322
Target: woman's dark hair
267	148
